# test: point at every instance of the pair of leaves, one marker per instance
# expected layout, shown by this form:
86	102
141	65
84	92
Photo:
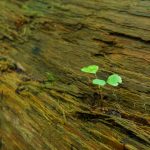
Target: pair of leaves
113	80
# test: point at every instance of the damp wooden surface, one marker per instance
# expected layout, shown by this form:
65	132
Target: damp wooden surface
60	37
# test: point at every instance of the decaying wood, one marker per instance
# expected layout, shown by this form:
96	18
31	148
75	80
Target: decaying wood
60	37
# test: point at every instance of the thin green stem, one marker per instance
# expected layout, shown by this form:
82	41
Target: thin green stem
89	81
101	94
97	78
100	90
95	75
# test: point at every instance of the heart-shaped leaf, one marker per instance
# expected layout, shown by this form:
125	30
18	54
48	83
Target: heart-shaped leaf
99	82
90	69
114	80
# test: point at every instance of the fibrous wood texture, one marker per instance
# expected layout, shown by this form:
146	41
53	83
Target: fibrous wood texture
60	37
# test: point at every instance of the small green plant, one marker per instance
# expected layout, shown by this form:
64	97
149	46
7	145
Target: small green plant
50	77
113	80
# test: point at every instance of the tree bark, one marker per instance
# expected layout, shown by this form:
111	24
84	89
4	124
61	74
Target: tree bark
60	37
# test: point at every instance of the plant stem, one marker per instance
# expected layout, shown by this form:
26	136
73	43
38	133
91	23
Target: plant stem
89	81
101	94
98	85
95	75
100	90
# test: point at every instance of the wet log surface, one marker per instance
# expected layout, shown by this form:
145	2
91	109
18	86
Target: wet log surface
60	37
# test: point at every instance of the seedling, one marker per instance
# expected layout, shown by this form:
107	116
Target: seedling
113	80
50	77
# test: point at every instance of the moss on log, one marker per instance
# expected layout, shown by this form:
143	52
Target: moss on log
60	37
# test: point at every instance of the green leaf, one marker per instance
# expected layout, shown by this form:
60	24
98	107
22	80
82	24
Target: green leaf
90	69
99	82
114	80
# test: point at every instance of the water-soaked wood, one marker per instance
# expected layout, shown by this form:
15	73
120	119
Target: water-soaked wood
60	37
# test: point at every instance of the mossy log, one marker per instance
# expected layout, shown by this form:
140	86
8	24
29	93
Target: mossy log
60	37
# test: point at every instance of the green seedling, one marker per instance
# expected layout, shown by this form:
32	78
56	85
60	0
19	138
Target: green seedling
113	80
50	77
